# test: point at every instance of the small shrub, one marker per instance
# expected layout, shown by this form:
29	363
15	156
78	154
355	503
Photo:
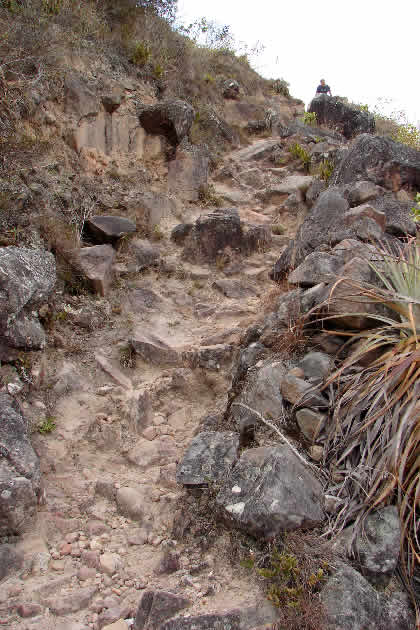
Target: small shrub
158	71
278	228
299	153
127	357
280	86
409	135
141	54
415	210
207	196
47	426
208	78
157	233
326	169
309	118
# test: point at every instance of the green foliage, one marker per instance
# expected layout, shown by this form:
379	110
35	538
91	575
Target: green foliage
47	426
309	118
280	86
208	78
409	135
288	583
207	196
141	54
158	71
374	431
326	169
415	210
52	7
278	228
299	153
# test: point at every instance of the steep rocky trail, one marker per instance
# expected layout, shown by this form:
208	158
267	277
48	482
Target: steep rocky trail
123	422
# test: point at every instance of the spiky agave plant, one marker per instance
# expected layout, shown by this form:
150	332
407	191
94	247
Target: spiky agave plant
374	436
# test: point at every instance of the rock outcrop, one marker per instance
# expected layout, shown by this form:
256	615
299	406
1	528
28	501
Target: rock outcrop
20	476
349	119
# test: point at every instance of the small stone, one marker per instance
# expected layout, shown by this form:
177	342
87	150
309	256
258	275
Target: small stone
86	573
316	453
65	549
29	610
110	563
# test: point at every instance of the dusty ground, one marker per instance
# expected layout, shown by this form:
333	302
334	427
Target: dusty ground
91	386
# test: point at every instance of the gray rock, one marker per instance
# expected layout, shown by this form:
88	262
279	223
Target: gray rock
380	160
10	560
112	101
108	229
155	607
258	151
316	366
246	358
141	299
212	233
353	311
234	289
172	119
299	392
20	476
209	357
317	267
262	394
95	265
377	547
270	491
152	349
361	192
180	232
188	171
349	119
209	457
71	602
239	619
351	603
78	97
106	489
130	502
27	278
146	254
365	210
309	423
169	562
149	208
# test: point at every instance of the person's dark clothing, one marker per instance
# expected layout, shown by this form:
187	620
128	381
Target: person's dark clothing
323	89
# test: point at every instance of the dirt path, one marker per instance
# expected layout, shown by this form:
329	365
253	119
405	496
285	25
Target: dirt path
122	424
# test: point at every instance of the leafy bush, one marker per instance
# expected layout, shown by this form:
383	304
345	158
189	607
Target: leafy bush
374	435
309	118
141	54
280	86
326	169
415	210
299	153
47	426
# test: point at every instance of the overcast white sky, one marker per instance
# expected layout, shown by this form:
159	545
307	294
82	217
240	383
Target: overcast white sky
365	49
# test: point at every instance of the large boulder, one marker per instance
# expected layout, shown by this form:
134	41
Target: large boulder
20	476
188	171
331	220
94	264
382	161
172	119
350	120
27	278
270	491
351	603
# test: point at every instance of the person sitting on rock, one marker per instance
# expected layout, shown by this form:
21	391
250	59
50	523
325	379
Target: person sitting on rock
323	88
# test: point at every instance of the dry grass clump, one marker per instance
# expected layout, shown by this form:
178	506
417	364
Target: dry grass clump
374	435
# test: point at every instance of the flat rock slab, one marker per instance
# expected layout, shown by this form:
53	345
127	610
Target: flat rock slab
234	289
152	349
108	229
95	263
209	457
146	454
244	619
157	606
71	602
146	254
270	491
